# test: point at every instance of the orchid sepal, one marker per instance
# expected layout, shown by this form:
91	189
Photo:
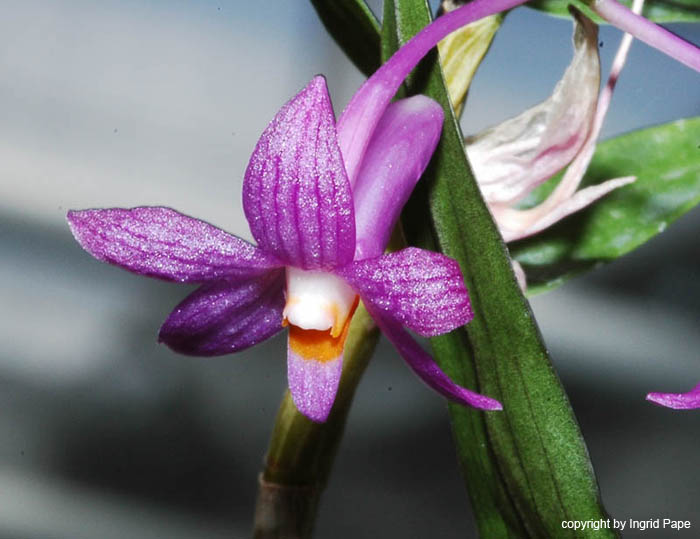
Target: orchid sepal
160	242
296	194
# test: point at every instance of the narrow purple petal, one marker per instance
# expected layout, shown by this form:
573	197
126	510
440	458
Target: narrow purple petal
677	401
296	194
419	289
397	155
357	123
425	367
648	32
313	384
225	317
162	243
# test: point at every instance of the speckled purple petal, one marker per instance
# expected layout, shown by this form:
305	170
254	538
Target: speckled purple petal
162	243
225	317
296	194
397	155
678	401
357	123
419	289
425	367
313	384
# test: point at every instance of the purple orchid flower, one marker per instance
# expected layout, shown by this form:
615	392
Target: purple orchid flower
320	244
321	201
677	401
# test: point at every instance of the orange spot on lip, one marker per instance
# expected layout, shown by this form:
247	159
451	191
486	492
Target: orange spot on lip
320	345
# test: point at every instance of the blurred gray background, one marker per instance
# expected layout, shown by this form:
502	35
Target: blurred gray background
106	434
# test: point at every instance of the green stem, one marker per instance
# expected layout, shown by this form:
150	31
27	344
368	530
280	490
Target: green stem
301	452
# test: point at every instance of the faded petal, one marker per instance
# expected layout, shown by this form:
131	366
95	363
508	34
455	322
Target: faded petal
399	151
296	194
162	243
678	401
462	51
519	275
562	201
517	224
425	367
512	158
419	289
357	123
224	317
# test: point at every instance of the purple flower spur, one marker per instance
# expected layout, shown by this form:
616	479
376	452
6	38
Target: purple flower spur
321	200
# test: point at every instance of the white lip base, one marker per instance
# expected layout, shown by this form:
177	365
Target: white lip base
317	300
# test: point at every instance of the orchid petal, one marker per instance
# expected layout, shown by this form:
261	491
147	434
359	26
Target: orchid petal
512	158
225	317
357	123
313	383
678	401
517	224
425	367
399	151
162	243
648	32
296	194
420	289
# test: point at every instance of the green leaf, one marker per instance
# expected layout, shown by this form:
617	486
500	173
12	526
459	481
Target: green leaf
666	161
654	10
354	28
527	467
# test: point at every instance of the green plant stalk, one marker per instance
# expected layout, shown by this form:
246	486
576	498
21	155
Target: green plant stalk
301	452
527	467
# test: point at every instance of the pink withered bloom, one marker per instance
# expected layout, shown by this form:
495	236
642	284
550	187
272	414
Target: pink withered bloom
516	156
321	201
513	158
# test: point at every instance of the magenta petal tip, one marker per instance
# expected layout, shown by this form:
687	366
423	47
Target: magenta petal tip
423	365
490	404
677	401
